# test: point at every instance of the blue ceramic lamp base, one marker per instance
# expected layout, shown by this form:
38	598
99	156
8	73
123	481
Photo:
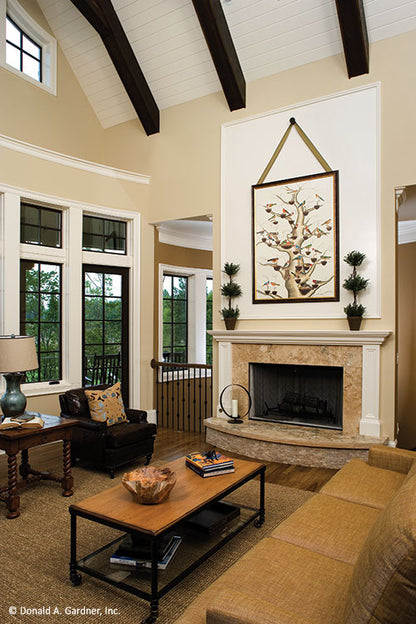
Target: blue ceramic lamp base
13	401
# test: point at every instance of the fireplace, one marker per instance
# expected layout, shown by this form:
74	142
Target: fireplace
297	394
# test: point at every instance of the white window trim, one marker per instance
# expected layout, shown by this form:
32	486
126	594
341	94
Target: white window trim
197	312
72	258
44	39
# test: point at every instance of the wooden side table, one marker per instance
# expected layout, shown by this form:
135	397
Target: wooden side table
14	440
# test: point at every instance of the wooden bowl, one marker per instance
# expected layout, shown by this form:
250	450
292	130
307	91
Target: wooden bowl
149	485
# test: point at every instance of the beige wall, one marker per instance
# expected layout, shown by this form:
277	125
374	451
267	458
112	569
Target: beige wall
406	342
184	161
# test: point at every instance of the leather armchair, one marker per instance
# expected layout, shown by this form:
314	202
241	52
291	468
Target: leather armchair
107	448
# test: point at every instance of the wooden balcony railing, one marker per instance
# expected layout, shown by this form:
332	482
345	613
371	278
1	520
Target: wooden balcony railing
183	395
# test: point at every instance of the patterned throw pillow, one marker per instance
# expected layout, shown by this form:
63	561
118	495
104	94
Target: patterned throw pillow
107	405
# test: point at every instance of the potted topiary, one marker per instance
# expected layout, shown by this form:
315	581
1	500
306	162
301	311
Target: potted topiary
230	290
355	283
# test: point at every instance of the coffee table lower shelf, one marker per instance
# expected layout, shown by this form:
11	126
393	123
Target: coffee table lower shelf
151	584
194	549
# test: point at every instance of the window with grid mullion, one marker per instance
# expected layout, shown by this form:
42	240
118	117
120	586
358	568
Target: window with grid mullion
33	69
40	226
41	315
104	235
175	318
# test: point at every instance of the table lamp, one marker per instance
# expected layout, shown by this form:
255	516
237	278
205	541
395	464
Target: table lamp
17	355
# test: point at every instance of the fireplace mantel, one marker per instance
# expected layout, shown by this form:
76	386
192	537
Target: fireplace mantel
305	337
369	341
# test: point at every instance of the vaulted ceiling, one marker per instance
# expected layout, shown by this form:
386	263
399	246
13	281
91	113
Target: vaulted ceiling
135	57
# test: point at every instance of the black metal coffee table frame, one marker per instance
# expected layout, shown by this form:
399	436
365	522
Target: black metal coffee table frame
257	516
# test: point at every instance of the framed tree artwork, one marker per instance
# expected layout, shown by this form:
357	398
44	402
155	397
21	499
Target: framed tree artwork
295	240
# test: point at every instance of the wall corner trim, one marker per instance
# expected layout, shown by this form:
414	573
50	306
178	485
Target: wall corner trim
72	161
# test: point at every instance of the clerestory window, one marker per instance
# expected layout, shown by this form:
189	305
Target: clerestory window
26	49
40	225
22	52
104	235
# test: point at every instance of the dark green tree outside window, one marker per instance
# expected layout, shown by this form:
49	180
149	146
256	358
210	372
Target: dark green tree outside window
175	318
40	316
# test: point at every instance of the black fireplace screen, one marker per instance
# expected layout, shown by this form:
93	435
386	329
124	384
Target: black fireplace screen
297	394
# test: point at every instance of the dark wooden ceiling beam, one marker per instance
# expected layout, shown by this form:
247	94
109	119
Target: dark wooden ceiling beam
354	35
103	18
223	53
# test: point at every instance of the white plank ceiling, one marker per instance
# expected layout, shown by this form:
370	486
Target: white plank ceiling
269	35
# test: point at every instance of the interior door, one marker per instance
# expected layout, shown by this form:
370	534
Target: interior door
106	324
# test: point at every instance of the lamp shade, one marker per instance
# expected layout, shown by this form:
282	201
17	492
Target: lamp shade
17	354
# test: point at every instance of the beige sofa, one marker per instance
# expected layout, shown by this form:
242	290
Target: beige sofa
347	556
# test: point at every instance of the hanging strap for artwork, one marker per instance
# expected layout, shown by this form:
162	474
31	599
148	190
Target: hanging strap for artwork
283	140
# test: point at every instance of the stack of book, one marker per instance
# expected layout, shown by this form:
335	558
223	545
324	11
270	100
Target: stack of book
137	554
209	464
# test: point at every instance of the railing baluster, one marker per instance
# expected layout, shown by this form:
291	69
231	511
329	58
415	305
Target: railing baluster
200	402
189	402
183	400
176	397
205	395
194	403
166	370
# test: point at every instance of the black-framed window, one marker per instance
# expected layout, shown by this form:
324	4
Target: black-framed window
40	225
22	52
106	326
41	316
104	235
208	341
175	318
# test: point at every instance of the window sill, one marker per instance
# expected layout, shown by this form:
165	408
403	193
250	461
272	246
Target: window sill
36	83
40	389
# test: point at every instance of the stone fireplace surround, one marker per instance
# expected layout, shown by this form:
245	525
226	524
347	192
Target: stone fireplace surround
358	352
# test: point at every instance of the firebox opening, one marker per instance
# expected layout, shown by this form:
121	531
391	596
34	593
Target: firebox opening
297	394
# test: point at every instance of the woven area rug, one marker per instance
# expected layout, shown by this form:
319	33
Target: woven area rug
35	557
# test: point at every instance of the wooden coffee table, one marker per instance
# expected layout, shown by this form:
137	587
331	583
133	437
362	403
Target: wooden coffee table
14	440
116	508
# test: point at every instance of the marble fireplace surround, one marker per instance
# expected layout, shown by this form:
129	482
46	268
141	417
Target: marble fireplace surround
358	352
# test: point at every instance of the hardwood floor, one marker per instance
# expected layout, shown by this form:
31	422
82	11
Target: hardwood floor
173	444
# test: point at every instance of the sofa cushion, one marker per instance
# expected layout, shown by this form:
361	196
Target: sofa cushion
107	405
399	460
298	584
360	483
127	433
331	526
383	586
411	473
231	606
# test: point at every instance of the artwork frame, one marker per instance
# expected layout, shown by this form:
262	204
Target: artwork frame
289	217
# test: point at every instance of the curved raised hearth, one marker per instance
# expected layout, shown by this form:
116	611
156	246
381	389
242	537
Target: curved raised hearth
303	446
